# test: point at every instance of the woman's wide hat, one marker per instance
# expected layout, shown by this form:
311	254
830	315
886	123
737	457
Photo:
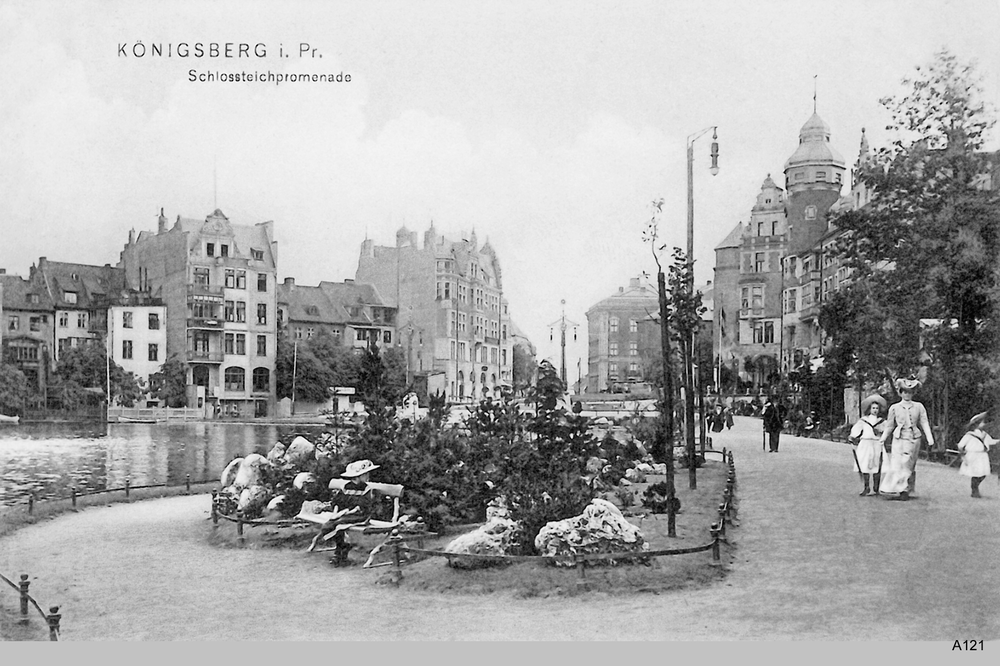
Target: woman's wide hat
359	467
907	384
866	404
976	421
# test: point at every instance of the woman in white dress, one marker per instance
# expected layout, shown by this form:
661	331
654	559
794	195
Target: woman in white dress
867	433
975	446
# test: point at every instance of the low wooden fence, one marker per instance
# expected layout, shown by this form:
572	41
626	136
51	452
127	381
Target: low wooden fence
397	542
51	618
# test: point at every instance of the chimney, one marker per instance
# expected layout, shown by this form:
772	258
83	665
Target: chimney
621	290
348	280
289	282
3	271
161	226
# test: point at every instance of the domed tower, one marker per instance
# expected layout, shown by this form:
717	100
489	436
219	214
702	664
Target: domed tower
814	164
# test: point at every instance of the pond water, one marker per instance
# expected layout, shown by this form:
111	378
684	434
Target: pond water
49	459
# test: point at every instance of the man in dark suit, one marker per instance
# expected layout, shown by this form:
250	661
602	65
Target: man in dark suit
774	418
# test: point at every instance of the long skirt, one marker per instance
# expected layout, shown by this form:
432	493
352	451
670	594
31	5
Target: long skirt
870	455
902	463
975	463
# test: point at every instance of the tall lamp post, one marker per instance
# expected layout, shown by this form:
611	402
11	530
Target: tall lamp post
562	325
689	342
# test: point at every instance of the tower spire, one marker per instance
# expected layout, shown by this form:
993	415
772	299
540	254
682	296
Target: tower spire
814	92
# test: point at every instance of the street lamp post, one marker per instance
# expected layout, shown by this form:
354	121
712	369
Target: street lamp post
562	324
689	342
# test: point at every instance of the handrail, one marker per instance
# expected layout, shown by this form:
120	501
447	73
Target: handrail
51	618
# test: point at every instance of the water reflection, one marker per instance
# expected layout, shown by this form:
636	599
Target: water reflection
49	459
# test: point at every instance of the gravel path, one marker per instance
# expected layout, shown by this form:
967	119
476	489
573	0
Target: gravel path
813	561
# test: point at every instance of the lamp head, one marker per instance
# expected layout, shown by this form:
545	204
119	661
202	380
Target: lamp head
714	169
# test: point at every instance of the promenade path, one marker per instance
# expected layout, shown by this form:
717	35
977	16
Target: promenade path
812	561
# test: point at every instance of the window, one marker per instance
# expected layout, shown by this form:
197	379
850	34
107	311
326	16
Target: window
633	349
810	212
35	324
261	379
613	324
154	321
790	298
261	345
633	326
63	320
230	308
462	351
309	332
154	352
81	320
230	278
463	293
837	177
201	342
230	343
298	333
261	281
613	372
257	255
633	369
799	176
201	276
752	297
759	262
209	250
262	313
126	319
12	323
224	250
760	228
774	228
33	298
69	296
613	349
235	377
768	332
126	349
821	175
387	337
241	311
241	344
241	279
462	321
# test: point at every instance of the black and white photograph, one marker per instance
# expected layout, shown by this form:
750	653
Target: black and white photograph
501	321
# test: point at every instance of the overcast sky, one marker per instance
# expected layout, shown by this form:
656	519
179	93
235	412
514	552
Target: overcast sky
549	127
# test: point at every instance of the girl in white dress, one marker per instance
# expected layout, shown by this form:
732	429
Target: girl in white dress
870	456
975	446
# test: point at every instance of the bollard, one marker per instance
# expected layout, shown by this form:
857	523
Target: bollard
73	491
716	558
397	570
126	487
239	527
24	593
724	459
187	483
215	509
722	520
53	619
31	503
581	582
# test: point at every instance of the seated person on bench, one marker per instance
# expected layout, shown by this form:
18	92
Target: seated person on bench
356	503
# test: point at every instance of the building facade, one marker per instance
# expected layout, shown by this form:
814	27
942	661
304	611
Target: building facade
137	335
451	315
217	281
623	338
27	320
353	313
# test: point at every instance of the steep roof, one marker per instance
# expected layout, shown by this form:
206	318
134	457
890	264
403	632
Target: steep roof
333	302
814	145
94	286
15	294
636	295
734	239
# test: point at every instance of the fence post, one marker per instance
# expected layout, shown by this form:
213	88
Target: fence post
239	527
187	483
24	593
73	490
722	520
716	559
31	503
581	582
53	619
215	509
397	570
127	482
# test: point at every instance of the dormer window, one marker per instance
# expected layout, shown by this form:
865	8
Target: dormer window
312	310
69	297
209	249
257	255
33	298
74	276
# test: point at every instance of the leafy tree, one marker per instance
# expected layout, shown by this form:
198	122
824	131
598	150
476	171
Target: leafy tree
169	385
296	366
523	365
13	389
87	366
927	246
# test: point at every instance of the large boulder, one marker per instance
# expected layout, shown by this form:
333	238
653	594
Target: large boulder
307	483
300	452
274	507
253	471
253	500
229	474
601	528
276	453
497	537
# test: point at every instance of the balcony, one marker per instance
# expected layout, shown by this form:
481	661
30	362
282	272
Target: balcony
213	292
199	356
213	324
809	312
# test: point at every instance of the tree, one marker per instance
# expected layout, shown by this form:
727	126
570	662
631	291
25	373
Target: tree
13	389
927	246
169	385
522	365
87	366
297	367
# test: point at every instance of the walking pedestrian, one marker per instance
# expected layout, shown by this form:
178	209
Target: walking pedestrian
907	424
717	419
867	434
773	422
974	446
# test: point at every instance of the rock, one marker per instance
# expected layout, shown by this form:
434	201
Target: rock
229	474
645	468
275	454
275	505
601	528
496	537
315	506
306	482
253	499
634	475
252	472
659	468
497	508
299	452
594	465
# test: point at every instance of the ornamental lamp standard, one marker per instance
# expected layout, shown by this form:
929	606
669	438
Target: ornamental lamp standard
689	342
